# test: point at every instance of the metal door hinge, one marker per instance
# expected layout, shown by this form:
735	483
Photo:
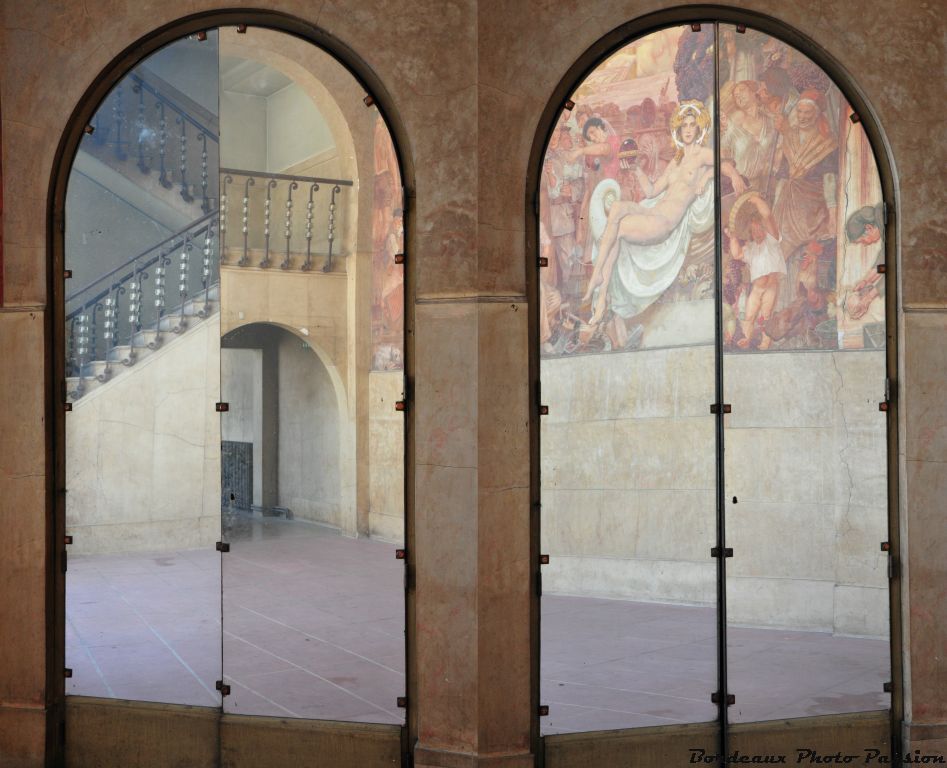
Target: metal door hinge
715	698
223	546
715	408
727	552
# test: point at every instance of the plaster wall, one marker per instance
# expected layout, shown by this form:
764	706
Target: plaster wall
143	456
386	456
469	93
310	454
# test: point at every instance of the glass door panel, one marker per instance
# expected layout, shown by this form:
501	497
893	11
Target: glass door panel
311	369
627	372
142	346
804	370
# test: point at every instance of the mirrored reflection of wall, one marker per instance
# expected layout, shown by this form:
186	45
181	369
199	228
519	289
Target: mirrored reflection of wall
626	328
313	597
626	332
804	369
142	360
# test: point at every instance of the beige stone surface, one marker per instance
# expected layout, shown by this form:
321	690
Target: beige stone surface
142	451
22	736
23	489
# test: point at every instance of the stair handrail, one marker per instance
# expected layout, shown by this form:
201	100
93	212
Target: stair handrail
142	82
132	261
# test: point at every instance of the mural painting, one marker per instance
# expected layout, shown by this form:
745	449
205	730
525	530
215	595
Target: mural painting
627	204
387	242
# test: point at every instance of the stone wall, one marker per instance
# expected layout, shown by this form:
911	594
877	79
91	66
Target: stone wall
628	470
143	456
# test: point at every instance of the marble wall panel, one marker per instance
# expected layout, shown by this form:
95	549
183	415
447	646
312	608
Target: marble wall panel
23	488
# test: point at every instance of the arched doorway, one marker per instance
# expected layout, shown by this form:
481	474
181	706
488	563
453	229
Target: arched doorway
702	399
289	270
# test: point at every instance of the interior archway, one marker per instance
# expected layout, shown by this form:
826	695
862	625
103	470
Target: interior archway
313	294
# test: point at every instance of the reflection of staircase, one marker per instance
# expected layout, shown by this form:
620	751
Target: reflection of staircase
148	165
92	373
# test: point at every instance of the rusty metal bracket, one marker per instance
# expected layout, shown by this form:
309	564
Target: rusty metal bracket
400	405
543	261
67	406
400	554
222	546
544	559
242	29
695	27
67	273
67	672
544	710
368	100
715	698
402	702
727	552
715	408
569	105
886	546
399	258
887	687
544	410
224	689
68	539
882	268
222	407
854	117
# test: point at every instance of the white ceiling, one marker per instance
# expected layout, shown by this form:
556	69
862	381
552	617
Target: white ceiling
250	77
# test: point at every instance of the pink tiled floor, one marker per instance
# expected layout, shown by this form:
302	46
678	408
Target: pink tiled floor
314	627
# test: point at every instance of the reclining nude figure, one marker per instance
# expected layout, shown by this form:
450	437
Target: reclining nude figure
685	178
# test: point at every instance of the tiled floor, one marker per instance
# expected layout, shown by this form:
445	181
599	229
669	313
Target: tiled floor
314	627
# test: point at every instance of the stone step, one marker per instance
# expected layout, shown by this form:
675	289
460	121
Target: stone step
125	354
173	323
148	338
99	370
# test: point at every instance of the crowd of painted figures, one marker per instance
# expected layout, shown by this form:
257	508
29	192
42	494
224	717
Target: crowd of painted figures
627	204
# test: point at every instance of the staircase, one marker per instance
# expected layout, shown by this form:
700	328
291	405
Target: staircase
153	153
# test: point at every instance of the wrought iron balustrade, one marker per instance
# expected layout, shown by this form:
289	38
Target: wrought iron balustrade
131	307
296	238
140	120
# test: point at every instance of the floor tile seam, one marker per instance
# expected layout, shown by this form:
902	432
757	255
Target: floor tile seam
626	690
321	640
95	663
265	698
315	675
167	645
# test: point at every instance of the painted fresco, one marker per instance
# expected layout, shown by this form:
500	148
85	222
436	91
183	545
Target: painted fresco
803	239
387	242
627	209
